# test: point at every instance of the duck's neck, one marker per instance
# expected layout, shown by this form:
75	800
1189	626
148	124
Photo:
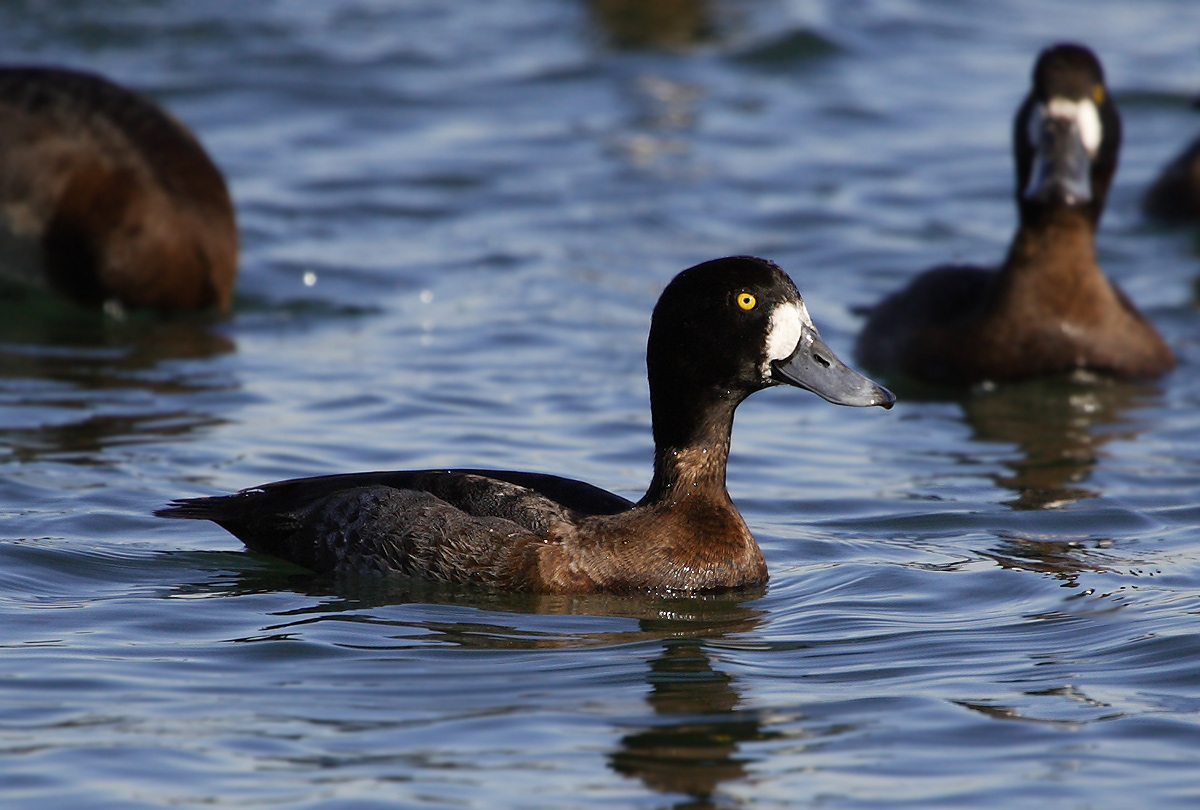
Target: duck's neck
691	446
1069	233
1052	263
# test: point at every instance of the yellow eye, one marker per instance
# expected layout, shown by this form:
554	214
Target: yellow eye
1098	94
746	301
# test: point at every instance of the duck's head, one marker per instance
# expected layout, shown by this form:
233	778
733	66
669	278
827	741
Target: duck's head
1066	136
729	327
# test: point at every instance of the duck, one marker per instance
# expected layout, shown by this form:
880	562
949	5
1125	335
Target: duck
107	199
1174	196
720	331
1049	310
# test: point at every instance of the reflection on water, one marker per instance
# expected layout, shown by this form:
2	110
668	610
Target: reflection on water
1059	428
1063	559
705	616
74	382
1101	710
691	744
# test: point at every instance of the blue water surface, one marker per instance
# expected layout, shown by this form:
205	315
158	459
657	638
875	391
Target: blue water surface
456	218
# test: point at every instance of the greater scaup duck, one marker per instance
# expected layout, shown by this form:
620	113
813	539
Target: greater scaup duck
1049	309
1175	194
105	197
721	331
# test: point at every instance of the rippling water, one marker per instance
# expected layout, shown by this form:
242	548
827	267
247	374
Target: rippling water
456	218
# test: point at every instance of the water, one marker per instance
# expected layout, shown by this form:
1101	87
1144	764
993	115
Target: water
456	218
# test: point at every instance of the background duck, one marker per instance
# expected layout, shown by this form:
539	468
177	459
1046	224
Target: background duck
104	196
1174	196
720	331
1049	309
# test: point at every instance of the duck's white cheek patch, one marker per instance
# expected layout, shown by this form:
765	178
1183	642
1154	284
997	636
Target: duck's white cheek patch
783	332
1082	114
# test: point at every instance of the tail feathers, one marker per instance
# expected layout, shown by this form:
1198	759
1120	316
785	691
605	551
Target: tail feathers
252	517
194	508
220	509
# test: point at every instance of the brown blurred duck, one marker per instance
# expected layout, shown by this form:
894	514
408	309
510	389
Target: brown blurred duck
104	196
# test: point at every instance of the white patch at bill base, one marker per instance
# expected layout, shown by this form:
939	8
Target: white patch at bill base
787	324
1082	113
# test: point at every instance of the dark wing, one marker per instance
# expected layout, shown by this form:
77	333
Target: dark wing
382	530
467	489
460	525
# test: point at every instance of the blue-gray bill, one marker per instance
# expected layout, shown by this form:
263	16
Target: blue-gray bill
814	367
1062	166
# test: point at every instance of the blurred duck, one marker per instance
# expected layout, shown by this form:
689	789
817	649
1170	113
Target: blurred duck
1175	195
104	197
1049	309
721	331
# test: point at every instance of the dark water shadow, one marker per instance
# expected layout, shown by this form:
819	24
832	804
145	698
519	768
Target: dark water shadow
694	742
1059	429
701	616
688	746
74	382
1063	559
1057	426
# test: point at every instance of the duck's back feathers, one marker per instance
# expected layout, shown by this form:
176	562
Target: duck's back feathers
956	325
919	321
84	108
381	529
1175	194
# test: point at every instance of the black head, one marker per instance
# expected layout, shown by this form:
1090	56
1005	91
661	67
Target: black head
1066	136
729	327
